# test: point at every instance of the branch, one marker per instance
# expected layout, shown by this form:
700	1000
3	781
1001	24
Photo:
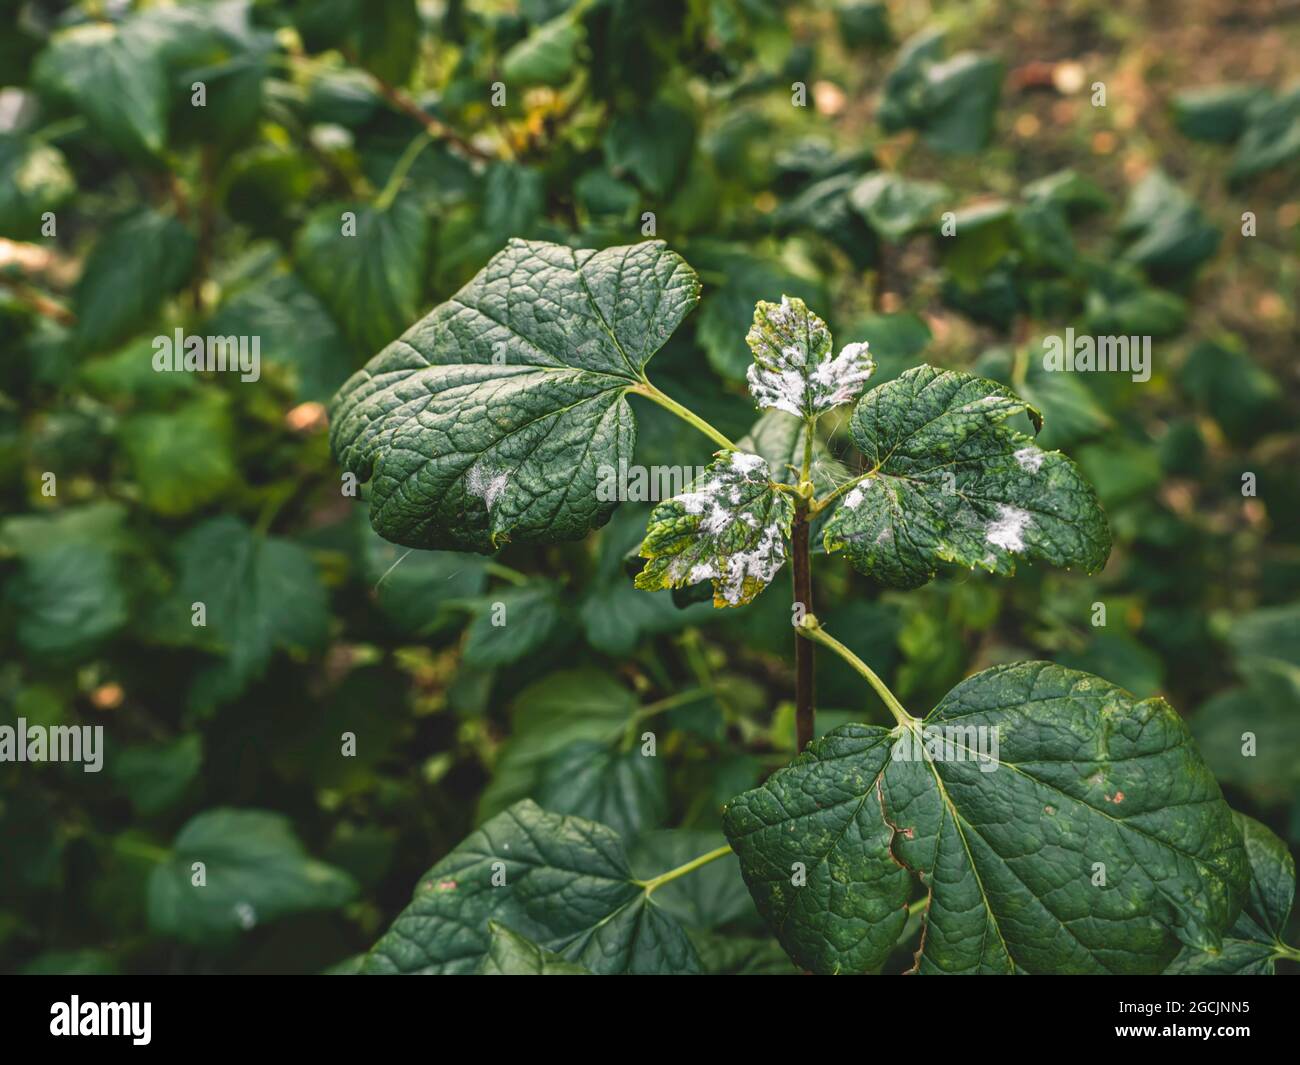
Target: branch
804	676
39	302
436	129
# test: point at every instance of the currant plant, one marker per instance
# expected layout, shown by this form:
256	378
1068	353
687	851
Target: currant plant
1037	819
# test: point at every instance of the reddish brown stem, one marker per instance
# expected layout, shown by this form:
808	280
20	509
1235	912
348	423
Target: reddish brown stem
803	649
400	101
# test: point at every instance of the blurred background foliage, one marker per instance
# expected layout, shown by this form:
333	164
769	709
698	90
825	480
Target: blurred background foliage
1122	217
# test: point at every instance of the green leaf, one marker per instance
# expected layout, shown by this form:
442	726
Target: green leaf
69	594
510	954
547	56
182	460
34	178
1167	231
615	614
709	897
1243	397
625	790
1250	735
1271	139
951	482
562	882
489	420
260	594
741	956
388	37
128	374
114	76
133	267
730	529
1120	303
1216	113
155	776
255	870
510	624
1010	832
67	599
896	206
1267	638
295	332
371	280
652	144
546	717
1251	946
793	368
951	102
415	590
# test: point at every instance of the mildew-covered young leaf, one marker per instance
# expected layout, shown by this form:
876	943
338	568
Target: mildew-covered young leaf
561	882
949	481
1060	825
793	369
488	420
1253	944
729	528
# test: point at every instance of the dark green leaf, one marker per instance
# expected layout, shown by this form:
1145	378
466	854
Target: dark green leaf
510	954
370	281
132	268
1252	944
34	178
896	206
489	420
114	75
511	624
624	789
183	460
562	882
254	871
1082	834
951	482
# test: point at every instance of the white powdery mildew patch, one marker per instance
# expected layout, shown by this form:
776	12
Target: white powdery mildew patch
841	379
792	370
486	483
717	503
715	500
761	563
1007	529
854	499
777	389
1030	458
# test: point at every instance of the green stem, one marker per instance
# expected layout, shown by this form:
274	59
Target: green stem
651	709
495	569
818	505
1281	950
400	169
139	849
61	128
682	870
671	701
811	629
916	907
645	388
